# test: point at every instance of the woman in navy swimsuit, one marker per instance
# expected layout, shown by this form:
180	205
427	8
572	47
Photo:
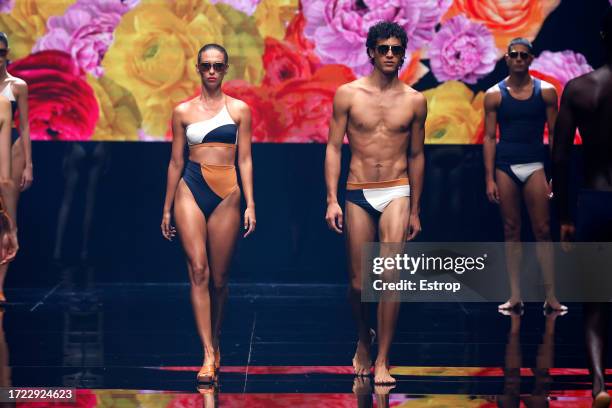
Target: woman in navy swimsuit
206	198
16	91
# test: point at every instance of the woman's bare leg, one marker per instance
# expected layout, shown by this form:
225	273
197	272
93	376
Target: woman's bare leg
17	167
223	227
191	227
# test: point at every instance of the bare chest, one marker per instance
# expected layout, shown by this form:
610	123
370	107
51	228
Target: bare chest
380	114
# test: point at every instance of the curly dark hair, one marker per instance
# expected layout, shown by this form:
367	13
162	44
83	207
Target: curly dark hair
384	30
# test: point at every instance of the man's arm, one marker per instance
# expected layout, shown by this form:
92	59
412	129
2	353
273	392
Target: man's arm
549	94
333	152
416	158
491	101
565	129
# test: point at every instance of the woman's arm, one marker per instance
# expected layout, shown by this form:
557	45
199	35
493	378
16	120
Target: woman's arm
6	182
175	168
245	164
21	94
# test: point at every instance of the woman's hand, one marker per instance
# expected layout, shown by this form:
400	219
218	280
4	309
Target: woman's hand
168	231
26	178
249	221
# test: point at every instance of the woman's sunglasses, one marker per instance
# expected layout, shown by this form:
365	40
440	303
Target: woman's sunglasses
217	66
515	54
397	50
3	52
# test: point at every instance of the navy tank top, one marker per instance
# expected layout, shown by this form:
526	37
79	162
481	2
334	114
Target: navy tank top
521	126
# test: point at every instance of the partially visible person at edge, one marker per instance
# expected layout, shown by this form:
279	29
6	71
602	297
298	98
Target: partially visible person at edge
586	104
8	233
16	91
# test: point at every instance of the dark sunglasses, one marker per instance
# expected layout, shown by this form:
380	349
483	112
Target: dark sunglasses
515	54
217	66
3	52
397	50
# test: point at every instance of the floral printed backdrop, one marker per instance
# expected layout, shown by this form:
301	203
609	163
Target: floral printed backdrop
114	69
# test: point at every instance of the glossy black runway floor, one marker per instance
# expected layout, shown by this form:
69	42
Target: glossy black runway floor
284	346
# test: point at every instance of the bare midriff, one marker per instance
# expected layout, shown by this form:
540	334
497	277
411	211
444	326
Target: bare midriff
378	157
223	154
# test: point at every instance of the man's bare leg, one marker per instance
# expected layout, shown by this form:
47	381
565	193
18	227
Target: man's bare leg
535	193
510	208
360	228
393	228
596	316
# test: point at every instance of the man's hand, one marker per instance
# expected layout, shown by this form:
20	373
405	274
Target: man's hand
334	217
492	192
414	227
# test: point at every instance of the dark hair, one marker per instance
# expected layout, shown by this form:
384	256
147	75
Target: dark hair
213	46
384	30
606	29
4	38
521	41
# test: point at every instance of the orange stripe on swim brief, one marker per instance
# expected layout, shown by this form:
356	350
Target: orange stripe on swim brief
377	184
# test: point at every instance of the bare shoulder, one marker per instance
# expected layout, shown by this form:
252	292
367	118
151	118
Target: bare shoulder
492	97
350	88
547	86
182	108
237	105
494	90
584	82
413	94
18	83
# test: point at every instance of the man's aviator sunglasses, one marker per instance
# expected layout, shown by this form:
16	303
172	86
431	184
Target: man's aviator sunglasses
515	54
397	50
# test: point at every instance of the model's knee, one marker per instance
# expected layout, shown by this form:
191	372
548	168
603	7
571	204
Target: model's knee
395	235
512	230
541	231
220	286
200	274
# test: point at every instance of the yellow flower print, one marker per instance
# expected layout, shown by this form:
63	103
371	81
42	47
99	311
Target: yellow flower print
454	115
28	21
119	118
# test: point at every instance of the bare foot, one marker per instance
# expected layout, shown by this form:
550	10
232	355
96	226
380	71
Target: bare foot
553	304
511	304
362	362
382	375
601	400
383	389
362	386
